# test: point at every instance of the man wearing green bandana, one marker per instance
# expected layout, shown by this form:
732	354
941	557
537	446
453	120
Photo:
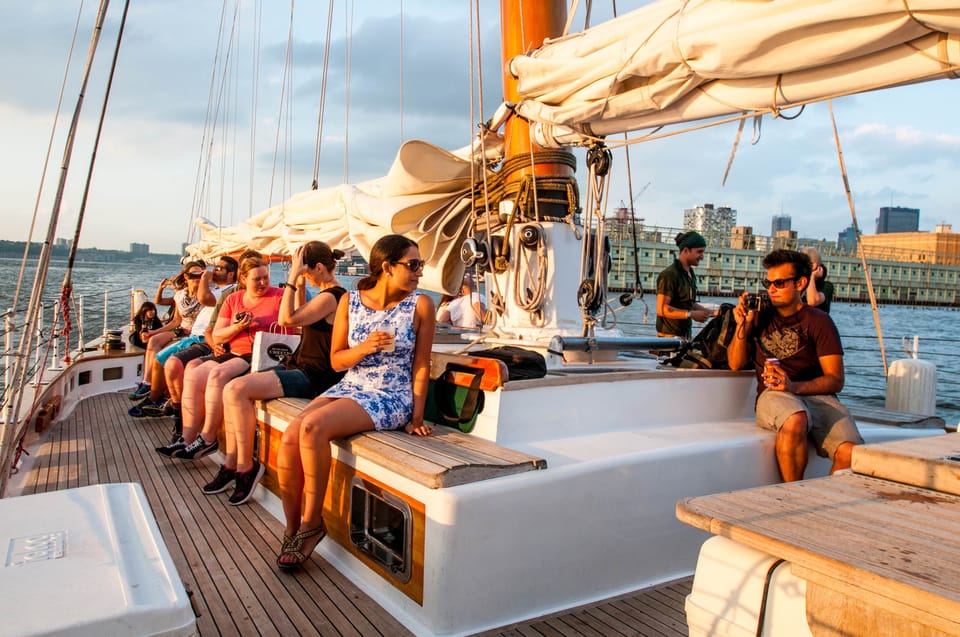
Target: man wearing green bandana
677	305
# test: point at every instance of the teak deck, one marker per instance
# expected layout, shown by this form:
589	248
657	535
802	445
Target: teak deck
226	555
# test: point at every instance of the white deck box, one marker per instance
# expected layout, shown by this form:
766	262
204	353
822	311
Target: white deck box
727	594
88	562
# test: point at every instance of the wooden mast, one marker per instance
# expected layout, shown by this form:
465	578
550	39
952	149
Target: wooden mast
524	26
536	251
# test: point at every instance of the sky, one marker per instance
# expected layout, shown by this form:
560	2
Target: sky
900	146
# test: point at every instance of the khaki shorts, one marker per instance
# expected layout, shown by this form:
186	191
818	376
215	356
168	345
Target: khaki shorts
829	423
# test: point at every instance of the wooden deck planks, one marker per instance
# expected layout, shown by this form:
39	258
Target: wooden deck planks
226	555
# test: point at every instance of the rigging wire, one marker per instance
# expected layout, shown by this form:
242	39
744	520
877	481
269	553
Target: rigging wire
346	117
856	229
284	102
255	97
26	340
46	158
321	109
201	181
67	286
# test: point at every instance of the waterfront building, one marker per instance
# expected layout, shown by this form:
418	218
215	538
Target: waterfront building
140	249
924	272
941	246
898	219
848	238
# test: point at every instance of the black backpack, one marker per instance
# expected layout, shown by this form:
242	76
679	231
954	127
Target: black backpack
708	349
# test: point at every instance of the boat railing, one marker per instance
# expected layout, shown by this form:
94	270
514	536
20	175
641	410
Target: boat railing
52	347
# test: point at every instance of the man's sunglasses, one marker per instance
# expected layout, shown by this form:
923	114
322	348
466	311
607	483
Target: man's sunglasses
778	283
414	265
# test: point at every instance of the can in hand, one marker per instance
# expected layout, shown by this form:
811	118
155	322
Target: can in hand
768	366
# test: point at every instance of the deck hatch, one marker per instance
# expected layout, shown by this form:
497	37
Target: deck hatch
381	527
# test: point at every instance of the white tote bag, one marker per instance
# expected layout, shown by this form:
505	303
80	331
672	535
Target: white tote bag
272	348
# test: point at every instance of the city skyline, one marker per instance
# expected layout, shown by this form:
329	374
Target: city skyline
900	145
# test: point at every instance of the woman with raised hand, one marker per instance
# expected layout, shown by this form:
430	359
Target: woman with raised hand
382	337
304	375
186	307
243	314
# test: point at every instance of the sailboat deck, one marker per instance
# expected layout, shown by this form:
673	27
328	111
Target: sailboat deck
226	555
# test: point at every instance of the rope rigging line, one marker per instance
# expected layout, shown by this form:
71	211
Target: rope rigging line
26	340
67	287
321	109
211	118
254	99
346	122
856	229
46	159
286	93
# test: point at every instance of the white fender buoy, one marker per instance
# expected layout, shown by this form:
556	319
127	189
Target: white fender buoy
912	387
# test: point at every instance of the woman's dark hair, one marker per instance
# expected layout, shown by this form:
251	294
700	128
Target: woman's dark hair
180	281
388	249
147	305
316	252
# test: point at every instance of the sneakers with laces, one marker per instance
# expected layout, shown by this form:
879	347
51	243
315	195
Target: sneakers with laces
141	390
221	482
246	483
176	445
146	408
171	408
155	409
197	449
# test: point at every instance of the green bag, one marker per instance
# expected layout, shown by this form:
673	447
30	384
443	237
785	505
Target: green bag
455	405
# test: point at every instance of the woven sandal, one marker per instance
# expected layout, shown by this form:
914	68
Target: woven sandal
294	548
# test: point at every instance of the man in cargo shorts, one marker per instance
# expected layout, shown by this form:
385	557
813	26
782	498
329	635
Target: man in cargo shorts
796	352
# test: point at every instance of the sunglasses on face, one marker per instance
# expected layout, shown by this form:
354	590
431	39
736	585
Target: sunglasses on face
194	275
414	265
778	283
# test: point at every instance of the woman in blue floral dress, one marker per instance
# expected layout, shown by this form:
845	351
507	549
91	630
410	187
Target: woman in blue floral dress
382	337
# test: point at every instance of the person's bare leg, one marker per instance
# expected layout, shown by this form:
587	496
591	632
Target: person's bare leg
290	469
173	377
158	387
194	387
842	457
213	394
791	447
239	415
154	344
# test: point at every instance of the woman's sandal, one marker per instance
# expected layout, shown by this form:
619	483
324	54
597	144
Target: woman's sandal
293	547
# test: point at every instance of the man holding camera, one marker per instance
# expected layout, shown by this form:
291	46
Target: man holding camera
796	352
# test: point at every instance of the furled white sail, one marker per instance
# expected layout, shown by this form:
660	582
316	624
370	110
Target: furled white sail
425	196
680	61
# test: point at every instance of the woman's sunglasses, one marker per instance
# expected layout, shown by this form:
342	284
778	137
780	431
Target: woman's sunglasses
414	265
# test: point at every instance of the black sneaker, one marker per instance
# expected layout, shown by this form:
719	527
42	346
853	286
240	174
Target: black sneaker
197	449
171	408
143	409
246	483
155	410
221	482
168	450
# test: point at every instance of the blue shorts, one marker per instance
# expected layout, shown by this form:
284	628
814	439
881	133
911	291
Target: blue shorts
175	347
295	383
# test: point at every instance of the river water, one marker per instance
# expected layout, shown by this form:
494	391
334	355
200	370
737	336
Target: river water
939	341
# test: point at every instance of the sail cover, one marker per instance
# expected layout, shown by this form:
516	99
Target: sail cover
674	61
426	196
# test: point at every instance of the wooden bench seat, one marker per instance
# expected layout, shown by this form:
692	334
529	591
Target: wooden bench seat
865	414
446	458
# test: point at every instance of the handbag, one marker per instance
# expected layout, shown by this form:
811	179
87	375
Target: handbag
272	347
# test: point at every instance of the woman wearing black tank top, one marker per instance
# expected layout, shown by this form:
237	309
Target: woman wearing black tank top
305	375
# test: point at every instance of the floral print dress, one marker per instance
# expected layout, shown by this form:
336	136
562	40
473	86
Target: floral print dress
381	383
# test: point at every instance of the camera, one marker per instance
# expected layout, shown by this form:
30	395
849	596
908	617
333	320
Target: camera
239	316
755	302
